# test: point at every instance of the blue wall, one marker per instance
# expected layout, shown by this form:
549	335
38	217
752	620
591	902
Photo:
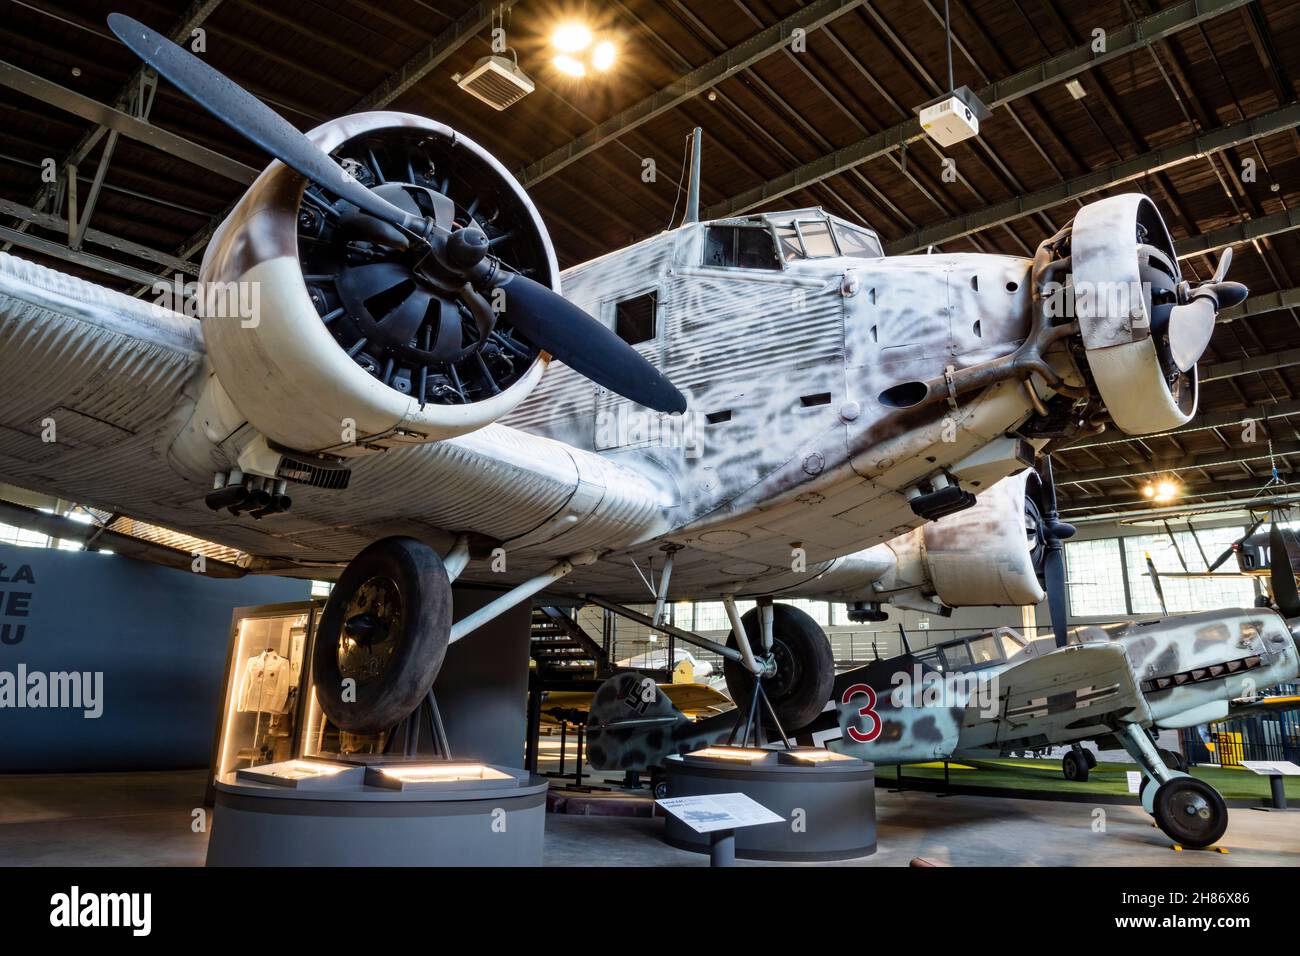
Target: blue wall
157	635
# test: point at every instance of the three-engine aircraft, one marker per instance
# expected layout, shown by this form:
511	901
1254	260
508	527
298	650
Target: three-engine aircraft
380	412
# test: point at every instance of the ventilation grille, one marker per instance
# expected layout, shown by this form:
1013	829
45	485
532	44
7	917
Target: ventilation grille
318	476
496	81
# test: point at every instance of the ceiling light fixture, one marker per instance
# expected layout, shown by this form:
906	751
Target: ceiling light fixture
579	51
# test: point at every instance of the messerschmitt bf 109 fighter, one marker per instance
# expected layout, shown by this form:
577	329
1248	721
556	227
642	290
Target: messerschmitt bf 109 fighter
1116	685
381	414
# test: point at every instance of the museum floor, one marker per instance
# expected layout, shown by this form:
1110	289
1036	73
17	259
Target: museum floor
144	819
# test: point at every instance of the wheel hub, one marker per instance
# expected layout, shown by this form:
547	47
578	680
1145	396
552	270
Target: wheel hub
372	621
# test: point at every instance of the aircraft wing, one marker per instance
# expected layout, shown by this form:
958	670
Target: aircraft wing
695	700
1074	693
99	385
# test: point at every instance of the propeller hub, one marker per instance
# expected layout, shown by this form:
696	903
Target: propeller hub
466	248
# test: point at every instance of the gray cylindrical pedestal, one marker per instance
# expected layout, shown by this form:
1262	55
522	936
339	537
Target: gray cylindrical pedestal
356	825
830	809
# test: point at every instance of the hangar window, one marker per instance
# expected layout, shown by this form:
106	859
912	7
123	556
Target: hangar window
1171	557
742	247
634	318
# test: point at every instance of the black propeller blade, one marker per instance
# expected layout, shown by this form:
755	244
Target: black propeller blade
1155	583
251	118
1228	552
1055	531
549	320
1281	576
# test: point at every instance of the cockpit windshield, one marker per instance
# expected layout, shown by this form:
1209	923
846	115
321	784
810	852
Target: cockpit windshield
811	234
802	234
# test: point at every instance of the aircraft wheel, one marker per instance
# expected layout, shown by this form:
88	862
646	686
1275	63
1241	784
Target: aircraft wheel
1190	812
1174	760
658	783
1091	757
1075	766
805	667
385	629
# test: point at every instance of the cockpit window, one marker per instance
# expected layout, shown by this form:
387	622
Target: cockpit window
817	241
787	238
742	247
984	650
857	243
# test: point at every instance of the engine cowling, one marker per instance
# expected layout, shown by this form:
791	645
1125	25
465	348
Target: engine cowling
1125	281
988	555
348	350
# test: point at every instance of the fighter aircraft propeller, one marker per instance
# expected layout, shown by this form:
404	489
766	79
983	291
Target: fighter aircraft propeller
461	255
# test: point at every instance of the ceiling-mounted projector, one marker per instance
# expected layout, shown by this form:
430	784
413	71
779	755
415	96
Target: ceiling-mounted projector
953	116
497	81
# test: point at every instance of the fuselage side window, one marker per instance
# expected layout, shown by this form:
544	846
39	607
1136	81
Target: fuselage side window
634	318
743	247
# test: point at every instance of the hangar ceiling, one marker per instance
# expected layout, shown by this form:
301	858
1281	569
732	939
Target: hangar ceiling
1188	96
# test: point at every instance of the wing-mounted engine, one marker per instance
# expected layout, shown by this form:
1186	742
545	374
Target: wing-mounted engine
990	554
351	348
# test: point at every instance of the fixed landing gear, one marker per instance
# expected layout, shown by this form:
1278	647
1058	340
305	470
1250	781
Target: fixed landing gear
1189	811
1076	763
798	683
383	636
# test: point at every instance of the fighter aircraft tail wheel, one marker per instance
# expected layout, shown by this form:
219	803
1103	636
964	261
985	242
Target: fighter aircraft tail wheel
1075	766
382	636
1190	812
1174	760
805	667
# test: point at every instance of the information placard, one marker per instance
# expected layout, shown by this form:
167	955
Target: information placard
708	813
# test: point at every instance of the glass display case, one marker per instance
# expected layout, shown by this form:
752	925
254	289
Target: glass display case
266	671
269	712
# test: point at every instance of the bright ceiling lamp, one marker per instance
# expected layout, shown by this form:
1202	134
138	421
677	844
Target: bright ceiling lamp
569	66
578	51
602	57
1161	492
571	38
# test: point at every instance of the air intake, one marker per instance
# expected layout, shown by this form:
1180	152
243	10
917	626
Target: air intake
496	81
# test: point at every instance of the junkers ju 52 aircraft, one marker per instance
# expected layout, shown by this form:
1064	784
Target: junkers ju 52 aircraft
383	415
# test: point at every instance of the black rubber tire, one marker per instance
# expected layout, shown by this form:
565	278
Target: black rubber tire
1074	766
805	674
1091	757
1190	812
421	642
1174	760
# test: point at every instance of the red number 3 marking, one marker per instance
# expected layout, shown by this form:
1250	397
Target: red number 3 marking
868	711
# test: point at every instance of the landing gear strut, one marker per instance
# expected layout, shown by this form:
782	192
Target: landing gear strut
1076	763
1189	811
798	682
